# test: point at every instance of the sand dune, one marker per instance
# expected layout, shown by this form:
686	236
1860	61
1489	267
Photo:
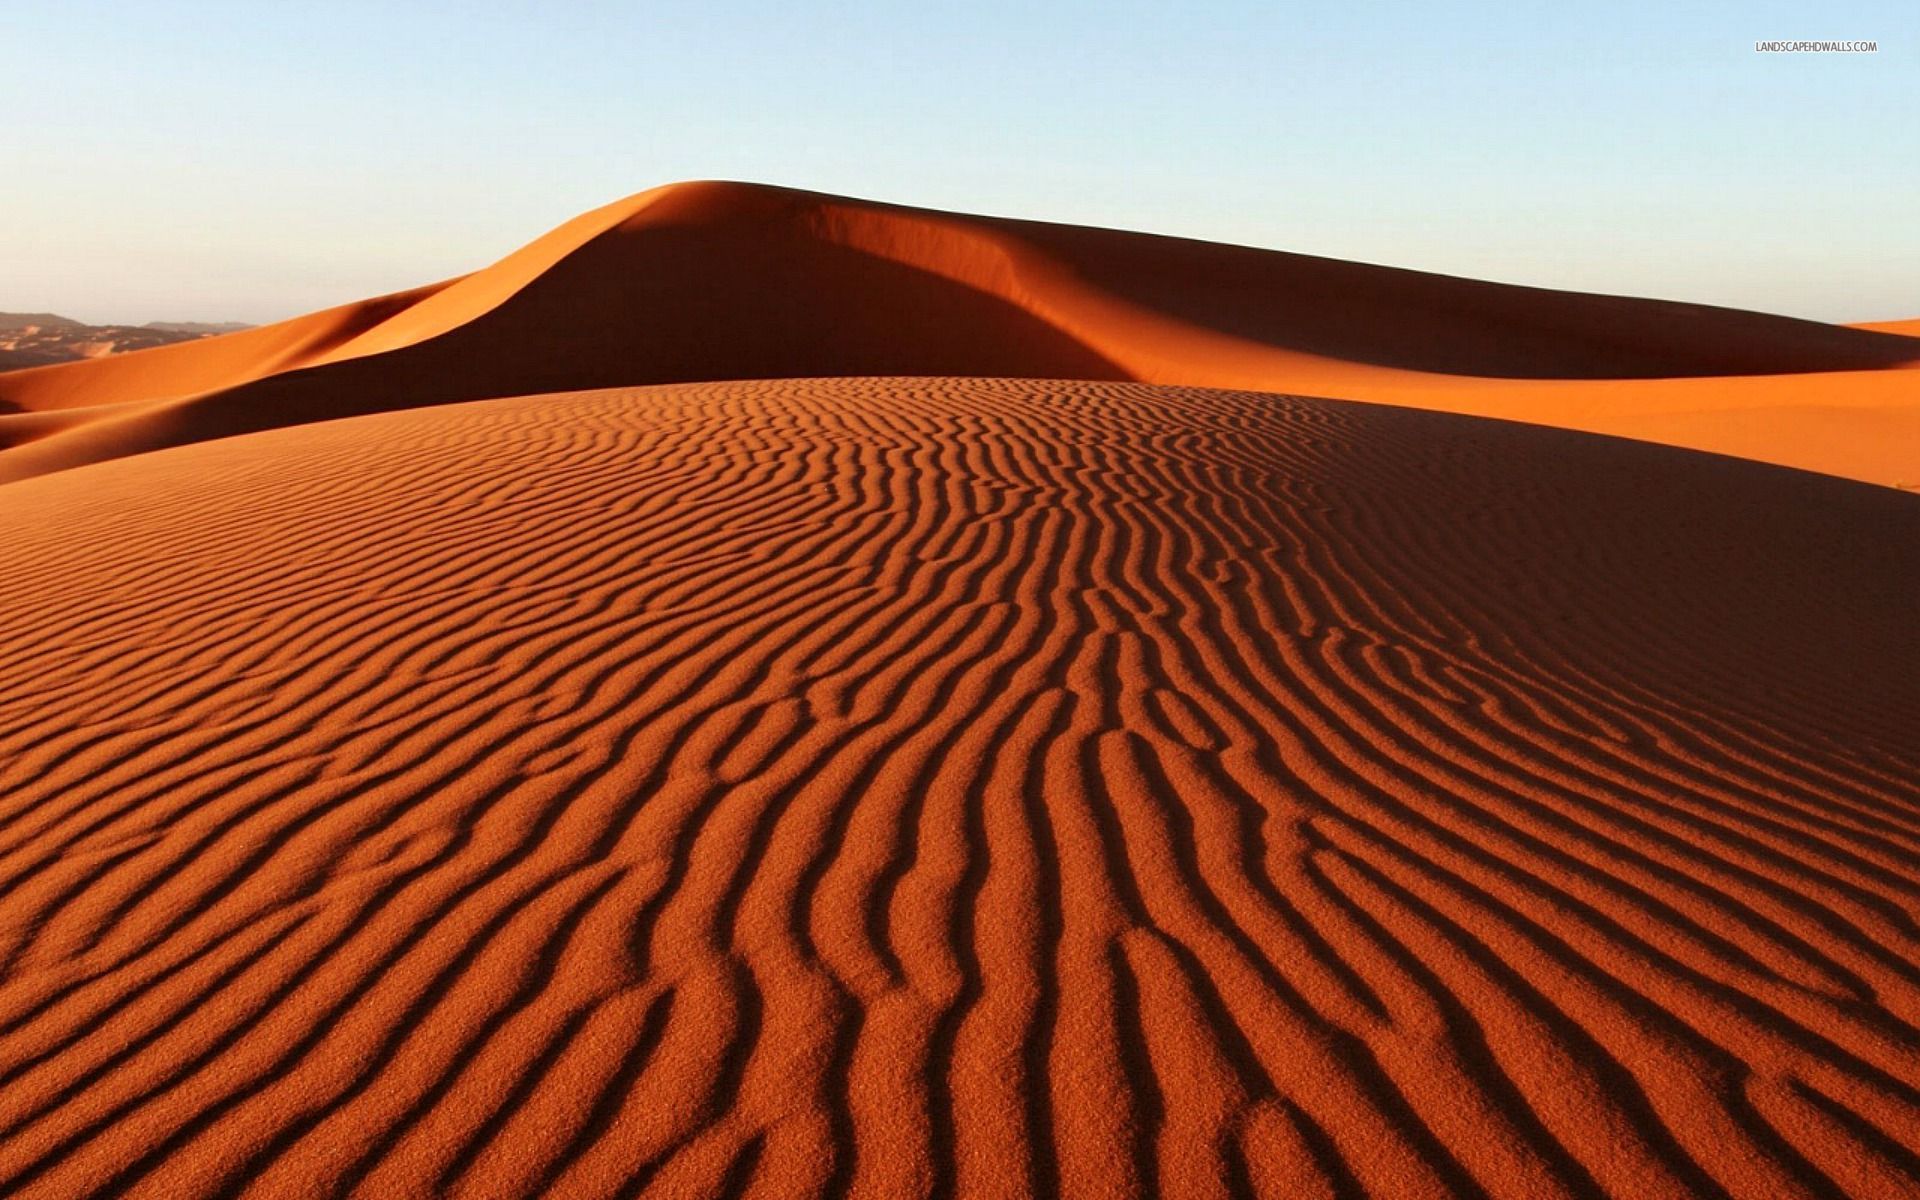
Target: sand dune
203	364
715	281
924	786
967	729
1903	328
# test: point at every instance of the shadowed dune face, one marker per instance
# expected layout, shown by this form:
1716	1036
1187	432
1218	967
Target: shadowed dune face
924	786
715	281
672	301
1380	316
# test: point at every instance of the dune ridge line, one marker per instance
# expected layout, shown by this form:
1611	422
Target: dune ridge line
718	281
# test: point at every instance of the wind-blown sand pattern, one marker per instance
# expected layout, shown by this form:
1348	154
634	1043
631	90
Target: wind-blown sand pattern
905	787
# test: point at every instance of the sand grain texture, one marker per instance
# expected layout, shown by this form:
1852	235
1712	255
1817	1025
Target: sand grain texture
914	786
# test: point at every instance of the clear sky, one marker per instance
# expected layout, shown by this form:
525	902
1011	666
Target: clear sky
217	161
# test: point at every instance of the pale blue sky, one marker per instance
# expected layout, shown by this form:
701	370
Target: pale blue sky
223	161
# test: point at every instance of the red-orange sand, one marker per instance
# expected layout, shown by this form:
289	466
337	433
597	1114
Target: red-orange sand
928	786
712	281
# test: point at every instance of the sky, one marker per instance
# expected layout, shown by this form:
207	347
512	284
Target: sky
217	161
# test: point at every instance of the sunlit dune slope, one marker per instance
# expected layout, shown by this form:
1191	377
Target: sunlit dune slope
915	787
201	365
715	281
1903	328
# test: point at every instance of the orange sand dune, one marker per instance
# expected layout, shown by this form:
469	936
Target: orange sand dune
717	281
204	364
913	787
1903	328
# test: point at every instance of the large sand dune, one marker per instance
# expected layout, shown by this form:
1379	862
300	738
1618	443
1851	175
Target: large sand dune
905	787
718	281
976	751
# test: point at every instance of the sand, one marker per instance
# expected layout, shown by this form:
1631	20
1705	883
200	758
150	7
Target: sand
422	775
717	281
928	786
1904	328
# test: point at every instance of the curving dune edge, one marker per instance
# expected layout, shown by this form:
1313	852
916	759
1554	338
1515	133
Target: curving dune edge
717	281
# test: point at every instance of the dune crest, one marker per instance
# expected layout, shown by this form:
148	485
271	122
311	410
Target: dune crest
714	281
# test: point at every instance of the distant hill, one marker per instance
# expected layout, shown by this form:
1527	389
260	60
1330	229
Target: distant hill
9	321
37	339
